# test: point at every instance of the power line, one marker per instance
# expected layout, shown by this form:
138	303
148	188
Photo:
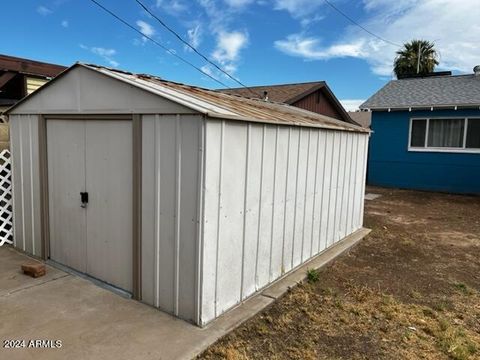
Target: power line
360	26
157	43
192	47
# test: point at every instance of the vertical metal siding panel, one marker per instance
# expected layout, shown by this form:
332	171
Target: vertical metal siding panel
266	204
245	209
273	203
262	155
27	185
166	169
231	236
290	196
252	200
219	213
340	186
326	190
156	207
178	209
333	189
213	137
346	176
21	135
358	185
363	179
309	194
355	190
200	222
149	196
189	127
35	188
361	175
276	266
317	208
350	222
347	188
15	144
300	197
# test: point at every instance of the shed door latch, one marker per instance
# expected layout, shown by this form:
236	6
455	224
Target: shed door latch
84	199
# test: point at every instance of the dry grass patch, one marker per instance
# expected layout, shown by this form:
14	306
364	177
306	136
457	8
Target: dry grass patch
410	290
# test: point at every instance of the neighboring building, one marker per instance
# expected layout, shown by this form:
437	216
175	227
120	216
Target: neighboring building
426	134
311	96
194	199
362	118
20	77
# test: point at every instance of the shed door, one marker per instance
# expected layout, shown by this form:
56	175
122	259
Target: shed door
95	157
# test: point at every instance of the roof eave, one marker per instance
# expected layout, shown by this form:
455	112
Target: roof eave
420	107
352	128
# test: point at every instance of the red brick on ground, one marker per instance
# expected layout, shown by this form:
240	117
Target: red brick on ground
34	269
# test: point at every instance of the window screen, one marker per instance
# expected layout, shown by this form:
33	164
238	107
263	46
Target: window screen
418	133
473	134
446	133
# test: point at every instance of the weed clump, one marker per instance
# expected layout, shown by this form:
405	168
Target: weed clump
313	275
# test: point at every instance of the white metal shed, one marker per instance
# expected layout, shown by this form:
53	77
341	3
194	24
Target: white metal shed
190	199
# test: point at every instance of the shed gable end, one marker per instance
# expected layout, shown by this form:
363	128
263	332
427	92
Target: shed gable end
82	90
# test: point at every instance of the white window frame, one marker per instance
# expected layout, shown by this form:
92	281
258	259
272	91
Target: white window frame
426	148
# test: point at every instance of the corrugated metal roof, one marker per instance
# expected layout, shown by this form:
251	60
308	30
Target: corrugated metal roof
221	105
438	91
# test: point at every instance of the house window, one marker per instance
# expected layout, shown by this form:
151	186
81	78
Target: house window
473	134
445	134
419	129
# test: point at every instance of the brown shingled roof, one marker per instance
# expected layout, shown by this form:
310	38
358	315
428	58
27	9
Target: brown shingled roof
290	94
284	93
31	67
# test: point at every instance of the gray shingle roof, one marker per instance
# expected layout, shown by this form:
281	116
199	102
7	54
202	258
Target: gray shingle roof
459	90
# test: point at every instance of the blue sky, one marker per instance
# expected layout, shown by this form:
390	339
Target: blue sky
258	41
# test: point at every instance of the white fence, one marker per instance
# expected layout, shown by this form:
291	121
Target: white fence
6	213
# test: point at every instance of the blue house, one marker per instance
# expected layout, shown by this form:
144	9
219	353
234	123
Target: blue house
426	133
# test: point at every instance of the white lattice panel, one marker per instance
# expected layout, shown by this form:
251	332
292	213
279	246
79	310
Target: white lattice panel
6	213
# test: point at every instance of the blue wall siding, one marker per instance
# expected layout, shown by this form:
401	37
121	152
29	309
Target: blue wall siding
390	163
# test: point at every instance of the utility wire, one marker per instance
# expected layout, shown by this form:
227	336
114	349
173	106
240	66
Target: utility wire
157	43
192	47
360	26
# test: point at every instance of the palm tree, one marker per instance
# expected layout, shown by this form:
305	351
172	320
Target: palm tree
416	57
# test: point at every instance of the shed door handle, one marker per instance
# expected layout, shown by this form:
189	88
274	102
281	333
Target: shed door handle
84	199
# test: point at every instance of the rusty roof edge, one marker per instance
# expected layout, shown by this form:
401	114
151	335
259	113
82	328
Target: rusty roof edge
276	122
328	118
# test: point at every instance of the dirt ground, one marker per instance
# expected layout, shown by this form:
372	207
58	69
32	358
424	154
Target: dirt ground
410	290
